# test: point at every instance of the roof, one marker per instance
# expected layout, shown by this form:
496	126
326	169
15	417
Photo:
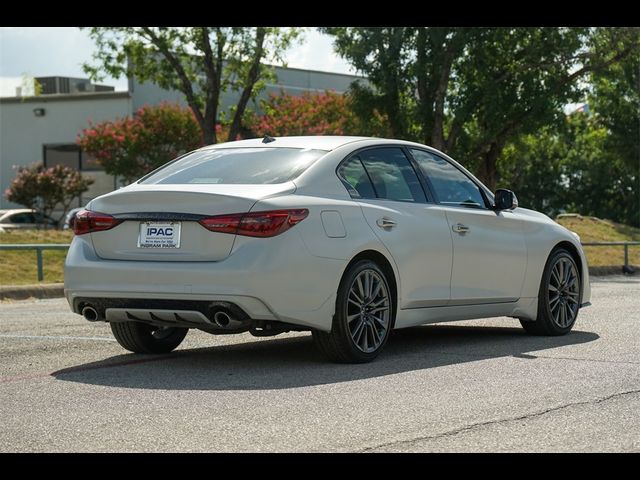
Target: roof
328	142
58	97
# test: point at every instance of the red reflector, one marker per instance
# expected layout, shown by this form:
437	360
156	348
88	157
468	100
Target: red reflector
256	224
87	221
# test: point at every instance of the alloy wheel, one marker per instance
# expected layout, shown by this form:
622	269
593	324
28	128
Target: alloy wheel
564	292
368	311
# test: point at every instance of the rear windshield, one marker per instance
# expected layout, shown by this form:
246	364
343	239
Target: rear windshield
237	166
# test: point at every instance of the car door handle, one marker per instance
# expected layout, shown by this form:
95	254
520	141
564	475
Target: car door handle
460	228
386	222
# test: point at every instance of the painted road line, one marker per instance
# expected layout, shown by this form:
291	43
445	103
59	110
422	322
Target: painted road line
52	337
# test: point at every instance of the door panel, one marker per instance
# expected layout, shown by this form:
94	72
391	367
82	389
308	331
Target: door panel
421	246
489	259
489	250
416	233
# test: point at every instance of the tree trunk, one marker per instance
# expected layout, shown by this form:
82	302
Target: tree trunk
252	78
488	173
208	133
209	136
213	70
391	78
424	84
437	135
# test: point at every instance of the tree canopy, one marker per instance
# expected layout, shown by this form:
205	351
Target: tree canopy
45	189
327	113
132	147
200	62
470	91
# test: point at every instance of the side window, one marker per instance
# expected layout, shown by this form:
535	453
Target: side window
452	187
355	178
392	175
22	218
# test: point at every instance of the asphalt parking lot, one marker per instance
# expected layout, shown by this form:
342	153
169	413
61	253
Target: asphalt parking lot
482	385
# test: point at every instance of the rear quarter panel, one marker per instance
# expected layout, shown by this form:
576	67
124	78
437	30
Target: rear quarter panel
334	228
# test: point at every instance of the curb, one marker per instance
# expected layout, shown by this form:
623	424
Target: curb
23	292
610	270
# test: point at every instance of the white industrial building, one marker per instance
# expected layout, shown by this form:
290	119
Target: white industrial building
44	128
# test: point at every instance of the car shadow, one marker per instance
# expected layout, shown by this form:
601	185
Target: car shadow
294	362
280	363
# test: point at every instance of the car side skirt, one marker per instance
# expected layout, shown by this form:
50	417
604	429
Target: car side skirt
523	308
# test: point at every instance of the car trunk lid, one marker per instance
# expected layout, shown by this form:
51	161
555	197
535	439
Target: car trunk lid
161	209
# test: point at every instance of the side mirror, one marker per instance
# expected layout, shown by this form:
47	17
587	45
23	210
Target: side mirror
505	200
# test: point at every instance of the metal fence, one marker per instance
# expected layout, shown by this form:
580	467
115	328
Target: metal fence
39	247
626	267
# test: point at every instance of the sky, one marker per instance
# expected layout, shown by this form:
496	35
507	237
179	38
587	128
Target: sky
60	51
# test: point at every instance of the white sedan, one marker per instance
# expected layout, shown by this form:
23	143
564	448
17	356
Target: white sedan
346	237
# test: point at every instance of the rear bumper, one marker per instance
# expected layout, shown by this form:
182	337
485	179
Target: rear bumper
269	279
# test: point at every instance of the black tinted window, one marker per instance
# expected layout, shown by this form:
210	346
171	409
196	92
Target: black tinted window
237	166
355	177
452	187
392	175
66	155
22	218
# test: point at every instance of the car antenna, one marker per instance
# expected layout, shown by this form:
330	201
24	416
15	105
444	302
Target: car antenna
268	139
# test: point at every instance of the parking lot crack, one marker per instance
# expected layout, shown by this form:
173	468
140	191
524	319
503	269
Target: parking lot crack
474	426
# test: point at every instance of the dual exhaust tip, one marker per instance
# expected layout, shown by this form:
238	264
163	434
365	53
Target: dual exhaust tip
227	315
90	313
222	319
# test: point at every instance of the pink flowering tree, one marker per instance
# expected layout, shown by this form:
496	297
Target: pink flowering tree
45	189
326	113
132	147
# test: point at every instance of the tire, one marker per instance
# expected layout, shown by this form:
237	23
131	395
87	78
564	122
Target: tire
142	338
361	326
557	312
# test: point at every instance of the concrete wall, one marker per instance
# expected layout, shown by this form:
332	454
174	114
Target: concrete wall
22	134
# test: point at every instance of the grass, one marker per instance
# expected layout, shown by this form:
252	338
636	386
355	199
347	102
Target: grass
19	267
593	229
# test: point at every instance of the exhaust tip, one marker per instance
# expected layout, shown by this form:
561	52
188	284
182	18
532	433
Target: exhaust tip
221	318
90	313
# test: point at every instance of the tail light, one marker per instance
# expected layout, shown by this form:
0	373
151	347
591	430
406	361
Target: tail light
87	221
256	224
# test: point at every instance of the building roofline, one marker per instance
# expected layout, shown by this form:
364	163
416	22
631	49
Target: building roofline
57	97
316	71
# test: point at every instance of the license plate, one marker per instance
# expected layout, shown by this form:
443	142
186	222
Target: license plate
159	235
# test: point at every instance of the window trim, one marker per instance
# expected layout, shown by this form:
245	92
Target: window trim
350	189
481	188
427	193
